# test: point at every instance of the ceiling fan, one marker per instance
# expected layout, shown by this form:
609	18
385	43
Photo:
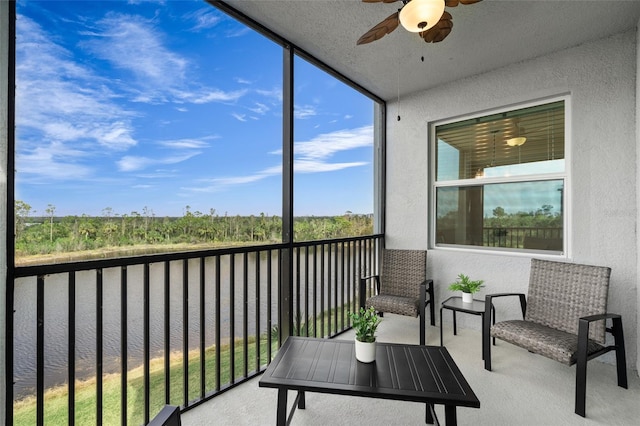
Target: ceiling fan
426	17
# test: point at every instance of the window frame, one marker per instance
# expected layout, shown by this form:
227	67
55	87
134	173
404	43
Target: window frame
565	176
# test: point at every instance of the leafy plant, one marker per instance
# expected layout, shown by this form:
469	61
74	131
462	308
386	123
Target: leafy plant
466	284
365	324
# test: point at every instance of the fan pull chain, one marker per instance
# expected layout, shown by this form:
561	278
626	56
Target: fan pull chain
398	85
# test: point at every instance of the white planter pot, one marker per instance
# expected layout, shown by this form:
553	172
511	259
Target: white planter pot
467	297
365	352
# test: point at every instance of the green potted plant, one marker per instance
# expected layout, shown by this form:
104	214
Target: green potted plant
365	323
467	286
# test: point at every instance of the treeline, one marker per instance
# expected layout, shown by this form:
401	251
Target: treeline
543	217
37	235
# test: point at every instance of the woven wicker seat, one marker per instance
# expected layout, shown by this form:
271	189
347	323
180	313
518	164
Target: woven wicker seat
564	320
402	287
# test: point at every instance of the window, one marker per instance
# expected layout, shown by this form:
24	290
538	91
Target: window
500	179
333	152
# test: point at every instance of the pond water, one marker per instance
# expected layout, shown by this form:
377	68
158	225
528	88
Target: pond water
253	300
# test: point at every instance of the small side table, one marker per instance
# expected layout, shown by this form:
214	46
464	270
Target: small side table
454	304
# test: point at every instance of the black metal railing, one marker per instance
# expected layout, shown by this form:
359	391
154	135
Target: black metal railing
523	237
133	334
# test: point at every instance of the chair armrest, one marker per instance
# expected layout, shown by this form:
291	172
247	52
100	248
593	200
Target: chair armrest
377	279
426	283
369	277
488	301
618	336
504	294
363	288
597	317
486	326
426	287
584	322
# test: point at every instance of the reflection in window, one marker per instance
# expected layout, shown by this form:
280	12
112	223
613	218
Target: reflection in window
500	180
523	215
516	143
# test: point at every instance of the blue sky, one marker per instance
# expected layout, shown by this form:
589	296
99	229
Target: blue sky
168	104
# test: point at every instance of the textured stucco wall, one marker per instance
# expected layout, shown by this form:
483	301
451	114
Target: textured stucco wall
600	78
4	54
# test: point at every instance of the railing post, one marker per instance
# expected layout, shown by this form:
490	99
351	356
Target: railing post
285	322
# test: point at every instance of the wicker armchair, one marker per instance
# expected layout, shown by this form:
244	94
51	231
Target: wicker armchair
402	286
564	319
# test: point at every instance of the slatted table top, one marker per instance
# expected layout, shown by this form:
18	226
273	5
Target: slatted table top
401	372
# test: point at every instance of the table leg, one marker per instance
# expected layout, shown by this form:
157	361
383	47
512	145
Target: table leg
429	414
450	417
281	417
301	400
482	332
440	329
493	320
455	327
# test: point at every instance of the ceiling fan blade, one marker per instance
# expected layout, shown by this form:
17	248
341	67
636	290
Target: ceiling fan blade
440	30
454	3
380	30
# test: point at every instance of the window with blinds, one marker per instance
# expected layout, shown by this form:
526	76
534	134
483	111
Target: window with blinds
499	180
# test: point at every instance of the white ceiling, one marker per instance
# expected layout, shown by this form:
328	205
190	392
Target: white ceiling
485	36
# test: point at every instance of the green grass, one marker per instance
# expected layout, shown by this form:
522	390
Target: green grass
56	400
56	407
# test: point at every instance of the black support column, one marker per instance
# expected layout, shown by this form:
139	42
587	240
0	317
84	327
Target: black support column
285	320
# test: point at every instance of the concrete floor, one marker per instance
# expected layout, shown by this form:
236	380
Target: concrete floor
522	389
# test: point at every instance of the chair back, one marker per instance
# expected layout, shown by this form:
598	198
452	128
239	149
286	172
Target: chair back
402	272
560	293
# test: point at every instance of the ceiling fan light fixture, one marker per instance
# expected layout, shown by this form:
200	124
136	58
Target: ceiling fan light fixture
520	140
420	15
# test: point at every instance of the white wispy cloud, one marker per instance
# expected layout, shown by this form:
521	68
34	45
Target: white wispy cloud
131	43
239	117
52	162
204	18
159	174
239	32
187	143
224	183
63	108
259	108
209	95
324	145
310	157
310	166
146	1
275	93
304	111
130	163
134	44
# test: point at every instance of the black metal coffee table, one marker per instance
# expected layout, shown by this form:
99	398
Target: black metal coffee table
415	373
